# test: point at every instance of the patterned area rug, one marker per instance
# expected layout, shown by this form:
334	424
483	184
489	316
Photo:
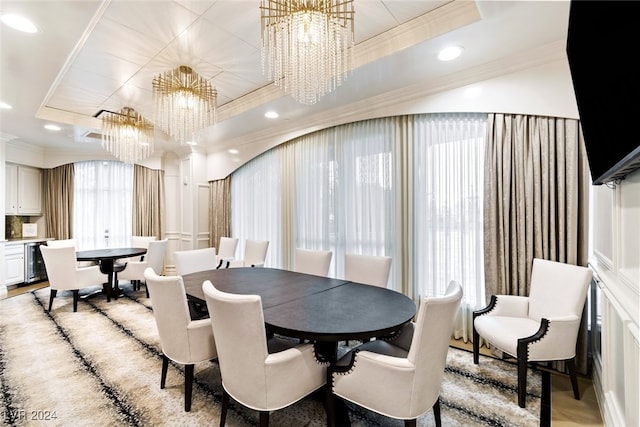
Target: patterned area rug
101	366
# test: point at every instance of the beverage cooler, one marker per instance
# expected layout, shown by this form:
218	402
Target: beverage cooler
34	269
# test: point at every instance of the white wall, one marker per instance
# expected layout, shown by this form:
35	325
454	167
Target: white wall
172	232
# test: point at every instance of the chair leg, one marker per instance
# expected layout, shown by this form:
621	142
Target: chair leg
51	297
116	288
410	423
571	364
523	360
76	297
264	418
188	386
436	413
476	346
225	406
165	367
106	289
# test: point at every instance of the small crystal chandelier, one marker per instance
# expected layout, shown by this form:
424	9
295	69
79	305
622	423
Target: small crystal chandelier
185	103
127	135
307	45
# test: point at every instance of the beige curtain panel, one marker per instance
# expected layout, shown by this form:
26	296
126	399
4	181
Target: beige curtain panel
58	201
219	210
148	202
536	201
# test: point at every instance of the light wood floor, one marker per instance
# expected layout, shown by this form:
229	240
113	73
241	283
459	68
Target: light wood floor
565	410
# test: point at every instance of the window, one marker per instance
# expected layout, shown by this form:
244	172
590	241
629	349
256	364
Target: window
256	204
102	208
408	187
448	179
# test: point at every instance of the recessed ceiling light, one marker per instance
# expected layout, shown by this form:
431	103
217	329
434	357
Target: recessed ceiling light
52	127
271	115
19	23
232	151
449	53
5	106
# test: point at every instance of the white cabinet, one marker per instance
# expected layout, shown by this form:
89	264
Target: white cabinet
14	258
24	190
11	203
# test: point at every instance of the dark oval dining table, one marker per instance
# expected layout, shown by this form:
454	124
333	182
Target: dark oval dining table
321	309
106	260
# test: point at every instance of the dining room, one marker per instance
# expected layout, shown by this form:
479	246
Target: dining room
407	171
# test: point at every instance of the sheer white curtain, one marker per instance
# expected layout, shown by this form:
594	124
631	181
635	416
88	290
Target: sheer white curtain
256	205
310	183
408	187
103	200
343	191
448	198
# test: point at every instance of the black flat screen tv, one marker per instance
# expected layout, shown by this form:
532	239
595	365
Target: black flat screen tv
602	43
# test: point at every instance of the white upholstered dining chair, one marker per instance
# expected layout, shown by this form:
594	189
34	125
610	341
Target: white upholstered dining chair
264	375
141	242
312	261
541	327
255	254
367	269
401	378
183	340
227	251
137	242
64	274
193	260
154	259
64	243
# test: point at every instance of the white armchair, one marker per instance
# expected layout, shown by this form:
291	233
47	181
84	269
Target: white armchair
63	243
183	340
154	259
367	269
312	262
261	375
541	327
65	275
400	378
193	260
255	253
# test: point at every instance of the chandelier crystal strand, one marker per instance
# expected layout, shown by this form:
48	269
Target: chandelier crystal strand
307	45
127	135
185	103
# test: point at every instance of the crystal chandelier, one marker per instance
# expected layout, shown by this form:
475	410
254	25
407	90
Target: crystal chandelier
185	103
307	45
127	135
